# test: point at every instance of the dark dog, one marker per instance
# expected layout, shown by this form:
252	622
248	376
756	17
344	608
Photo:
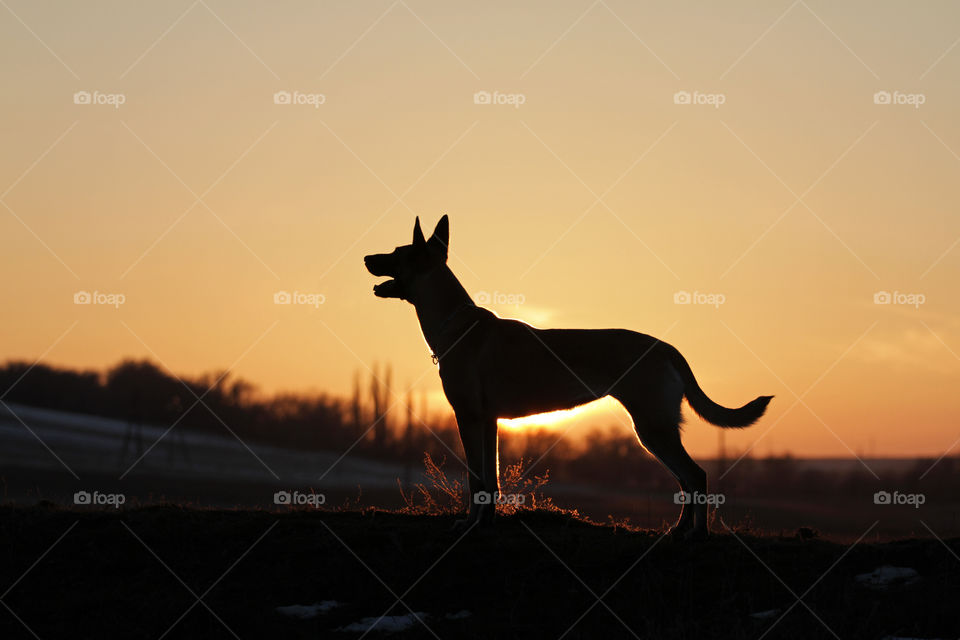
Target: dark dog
495	368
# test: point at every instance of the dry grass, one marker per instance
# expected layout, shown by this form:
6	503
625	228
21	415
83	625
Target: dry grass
447	494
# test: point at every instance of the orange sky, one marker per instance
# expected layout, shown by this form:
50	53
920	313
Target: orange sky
594	201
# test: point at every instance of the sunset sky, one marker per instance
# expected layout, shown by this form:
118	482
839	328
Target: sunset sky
588	197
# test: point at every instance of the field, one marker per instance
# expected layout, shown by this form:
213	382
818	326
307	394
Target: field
172	572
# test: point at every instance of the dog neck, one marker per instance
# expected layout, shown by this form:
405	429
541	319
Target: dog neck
437	302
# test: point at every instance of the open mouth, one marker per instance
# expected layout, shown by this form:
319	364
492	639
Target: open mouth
384	287
382	266
388	289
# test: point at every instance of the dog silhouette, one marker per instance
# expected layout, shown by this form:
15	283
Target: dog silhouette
492	367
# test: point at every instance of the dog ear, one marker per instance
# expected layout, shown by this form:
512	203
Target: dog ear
418	240
441	236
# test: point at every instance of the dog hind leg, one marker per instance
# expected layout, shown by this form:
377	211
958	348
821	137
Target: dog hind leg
656	418
655	410
664	443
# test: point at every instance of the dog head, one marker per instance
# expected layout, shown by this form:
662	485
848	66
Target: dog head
407	264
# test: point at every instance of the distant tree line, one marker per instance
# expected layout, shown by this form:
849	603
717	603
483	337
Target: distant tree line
376	421
373	421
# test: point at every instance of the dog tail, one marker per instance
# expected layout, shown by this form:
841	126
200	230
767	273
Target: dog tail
711	411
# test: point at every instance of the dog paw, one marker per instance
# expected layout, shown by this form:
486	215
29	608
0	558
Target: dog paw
698	535
460	526
691	534
678	532
681	532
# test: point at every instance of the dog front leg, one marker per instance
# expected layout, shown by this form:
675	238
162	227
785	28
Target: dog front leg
471	438
479	439
489	470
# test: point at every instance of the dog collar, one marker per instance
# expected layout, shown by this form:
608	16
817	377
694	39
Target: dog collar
443	325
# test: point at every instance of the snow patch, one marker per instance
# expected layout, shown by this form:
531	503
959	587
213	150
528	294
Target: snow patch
386	624
459	615
765	615
886	577
308	611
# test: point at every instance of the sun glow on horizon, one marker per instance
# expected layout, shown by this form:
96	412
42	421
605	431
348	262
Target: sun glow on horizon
563	418
591	208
